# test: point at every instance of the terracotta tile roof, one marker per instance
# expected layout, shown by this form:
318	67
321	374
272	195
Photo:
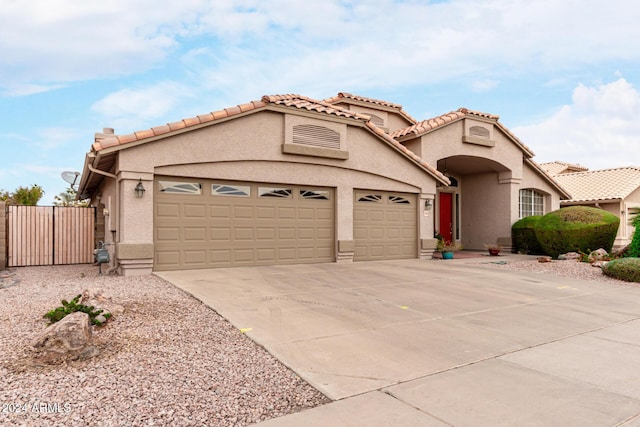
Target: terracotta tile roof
604	184
344	95
557	167
288	100
564	193
310	104
428	125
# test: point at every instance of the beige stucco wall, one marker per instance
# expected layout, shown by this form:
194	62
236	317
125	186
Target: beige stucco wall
250	149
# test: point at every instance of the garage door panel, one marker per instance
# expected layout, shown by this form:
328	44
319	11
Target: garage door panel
243	212
194	211
385	225
167	210
227	228
168	234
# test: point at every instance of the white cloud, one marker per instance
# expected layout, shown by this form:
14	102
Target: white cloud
600	129
135	109
362	43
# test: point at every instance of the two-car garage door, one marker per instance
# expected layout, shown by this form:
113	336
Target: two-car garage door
205	224
201	223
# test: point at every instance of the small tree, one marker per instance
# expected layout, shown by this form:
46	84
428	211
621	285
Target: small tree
23	195
68	198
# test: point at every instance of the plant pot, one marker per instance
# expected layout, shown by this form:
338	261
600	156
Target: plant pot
494	252
447	255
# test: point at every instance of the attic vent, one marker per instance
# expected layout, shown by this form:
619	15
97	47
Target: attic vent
479	132
377	120
316	136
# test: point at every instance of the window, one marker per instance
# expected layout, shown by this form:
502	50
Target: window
399	200
531	203
230	190
371	198
274	192
178	187
314	194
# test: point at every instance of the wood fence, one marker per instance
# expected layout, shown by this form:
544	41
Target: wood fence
50	235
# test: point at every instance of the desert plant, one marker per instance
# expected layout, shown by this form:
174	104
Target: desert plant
627	269
524	236
72	306
576	229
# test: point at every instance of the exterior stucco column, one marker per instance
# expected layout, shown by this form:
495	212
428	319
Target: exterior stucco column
426	206
134	250
345	245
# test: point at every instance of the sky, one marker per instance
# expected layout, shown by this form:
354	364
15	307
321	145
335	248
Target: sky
563	75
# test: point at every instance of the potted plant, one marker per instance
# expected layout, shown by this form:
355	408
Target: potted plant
447	248
493	248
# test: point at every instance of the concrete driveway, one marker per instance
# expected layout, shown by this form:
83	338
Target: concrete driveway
436	343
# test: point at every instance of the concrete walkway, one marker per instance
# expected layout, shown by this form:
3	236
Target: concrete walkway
437	343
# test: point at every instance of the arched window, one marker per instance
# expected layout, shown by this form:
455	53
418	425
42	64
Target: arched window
531	203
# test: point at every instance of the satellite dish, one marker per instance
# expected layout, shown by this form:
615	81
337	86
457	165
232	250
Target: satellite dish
71	178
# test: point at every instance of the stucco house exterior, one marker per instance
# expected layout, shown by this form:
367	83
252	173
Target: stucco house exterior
615	190
290	179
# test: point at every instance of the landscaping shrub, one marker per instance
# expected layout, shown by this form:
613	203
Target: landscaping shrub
72	306
627	269
576	229
524	236
634	247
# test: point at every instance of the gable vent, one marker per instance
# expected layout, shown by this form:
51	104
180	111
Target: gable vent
316	136
376	120
479	132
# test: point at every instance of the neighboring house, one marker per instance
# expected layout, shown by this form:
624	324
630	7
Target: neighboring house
614	190
289	179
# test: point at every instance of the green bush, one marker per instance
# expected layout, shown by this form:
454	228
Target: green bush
627	269
576	229
72	306
634	247
524	236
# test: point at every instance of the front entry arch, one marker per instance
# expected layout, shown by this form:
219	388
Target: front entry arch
446	216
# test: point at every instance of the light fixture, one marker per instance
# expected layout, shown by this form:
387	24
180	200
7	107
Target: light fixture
140	189
428	204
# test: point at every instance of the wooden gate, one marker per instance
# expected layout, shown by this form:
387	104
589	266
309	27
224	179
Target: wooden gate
50	235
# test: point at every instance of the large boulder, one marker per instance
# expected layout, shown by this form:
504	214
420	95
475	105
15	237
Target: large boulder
69	338
576	229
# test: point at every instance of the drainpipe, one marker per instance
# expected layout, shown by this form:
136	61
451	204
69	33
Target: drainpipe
117	204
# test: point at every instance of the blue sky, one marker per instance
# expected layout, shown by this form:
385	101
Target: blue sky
563	75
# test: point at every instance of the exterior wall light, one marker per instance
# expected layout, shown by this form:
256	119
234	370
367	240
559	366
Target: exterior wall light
428	204
140	189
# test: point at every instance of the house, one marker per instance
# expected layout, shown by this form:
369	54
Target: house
615	190
290	179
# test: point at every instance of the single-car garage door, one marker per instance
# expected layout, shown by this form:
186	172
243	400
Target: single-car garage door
384	225
202	223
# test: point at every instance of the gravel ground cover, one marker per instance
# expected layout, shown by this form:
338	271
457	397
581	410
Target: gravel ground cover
168	360
567	268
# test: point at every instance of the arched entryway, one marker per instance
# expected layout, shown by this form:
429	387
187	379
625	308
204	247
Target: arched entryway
476	208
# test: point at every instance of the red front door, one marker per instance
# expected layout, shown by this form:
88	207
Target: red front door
446	217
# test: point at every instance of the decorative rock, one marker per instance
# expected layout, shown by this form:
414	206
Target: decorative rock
597	255
544	259
99	301
69	336
600	264
570	256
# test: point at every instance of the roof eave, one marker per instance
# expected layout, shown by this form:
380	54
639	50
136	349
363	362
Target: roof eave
564	194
